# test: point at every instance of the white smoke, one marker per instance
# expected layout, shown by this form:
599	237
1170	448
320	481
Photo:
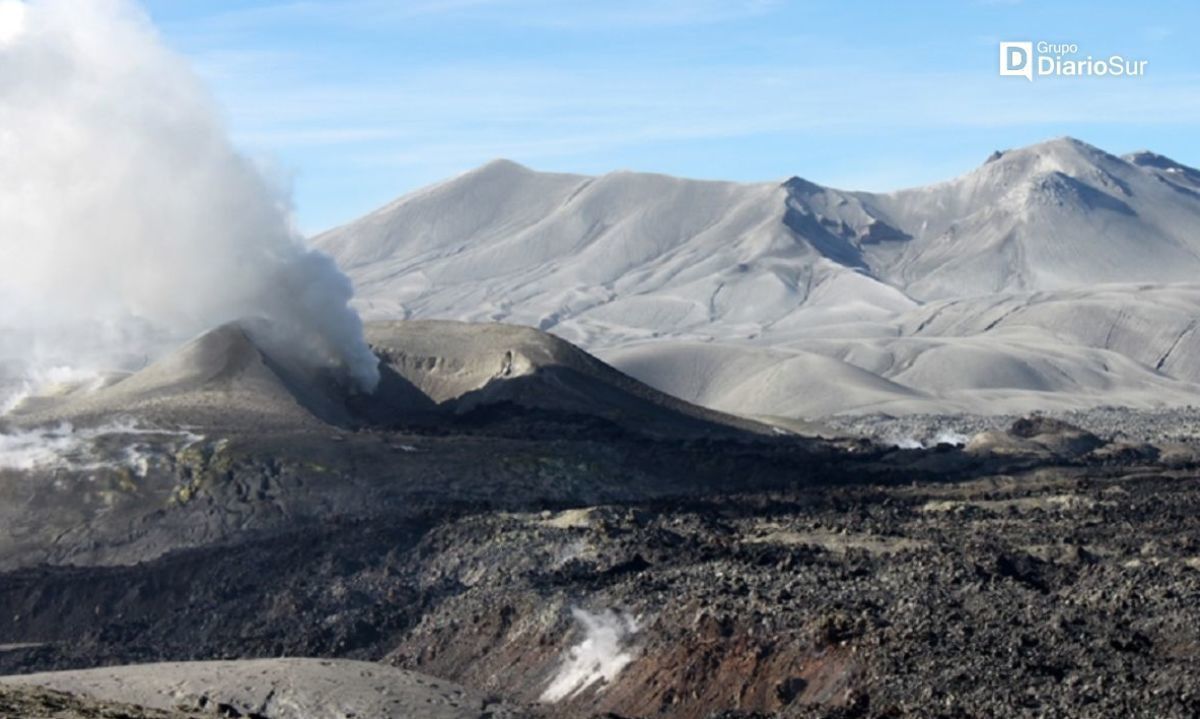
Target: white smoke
946	436
128	222
12	20
957	439
908	443
600	656
46	381
67	448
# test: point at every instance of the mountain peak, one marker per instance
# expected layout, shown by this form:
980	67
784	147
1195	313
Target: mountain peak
1065	141
800	185
1057	147
1063	148
1146	158
500	165
1028	166
1177	174
498	171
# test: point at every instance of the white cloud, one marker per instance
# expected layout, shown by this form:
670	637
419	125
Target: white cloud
480	112
562	14
12	20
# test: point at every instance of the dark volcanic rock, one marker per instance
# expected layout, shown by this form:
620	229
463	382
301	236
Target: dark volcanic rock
1044	594
512	543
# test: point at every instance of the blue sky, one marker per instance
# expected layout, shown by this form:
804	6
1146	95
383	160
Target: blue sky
359	101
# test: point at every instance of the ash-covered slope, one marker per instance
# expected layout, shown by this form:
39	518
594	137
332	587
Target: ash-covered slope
505	242
277	688
434	373
1057	215
435	369
625	252
1055	275
223	378
225	439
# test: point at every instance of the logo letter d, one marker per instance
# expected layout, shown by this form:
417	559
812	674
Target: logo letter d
1016	60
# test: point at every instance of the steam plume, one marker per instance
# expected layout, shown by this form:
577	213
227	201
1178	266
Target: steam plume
127	219
598	658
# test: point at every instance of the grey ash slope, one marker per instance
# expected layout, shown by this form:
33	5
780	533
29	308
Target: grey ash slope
459	368
1052	276
276	688
222	440
630	251
222	378
1059	215
434	372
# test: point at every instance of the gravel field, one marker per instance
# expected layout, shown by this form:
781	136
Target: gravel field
1115	423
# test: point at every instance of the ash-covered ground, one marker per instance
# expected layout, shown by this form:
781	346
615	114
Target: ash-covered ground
37	703
1169	425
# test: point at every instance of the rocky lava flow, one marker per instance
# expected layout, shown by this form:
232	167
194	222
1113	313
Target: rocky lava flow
1052	594
926	583
509	515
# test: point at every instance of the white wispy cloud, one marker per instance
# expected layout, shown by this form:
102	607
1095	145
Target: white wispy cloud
468	109
431	108
562	14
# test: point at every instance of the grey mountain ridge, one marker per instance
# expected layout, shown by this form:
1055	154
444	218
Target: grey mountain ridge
1093	259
